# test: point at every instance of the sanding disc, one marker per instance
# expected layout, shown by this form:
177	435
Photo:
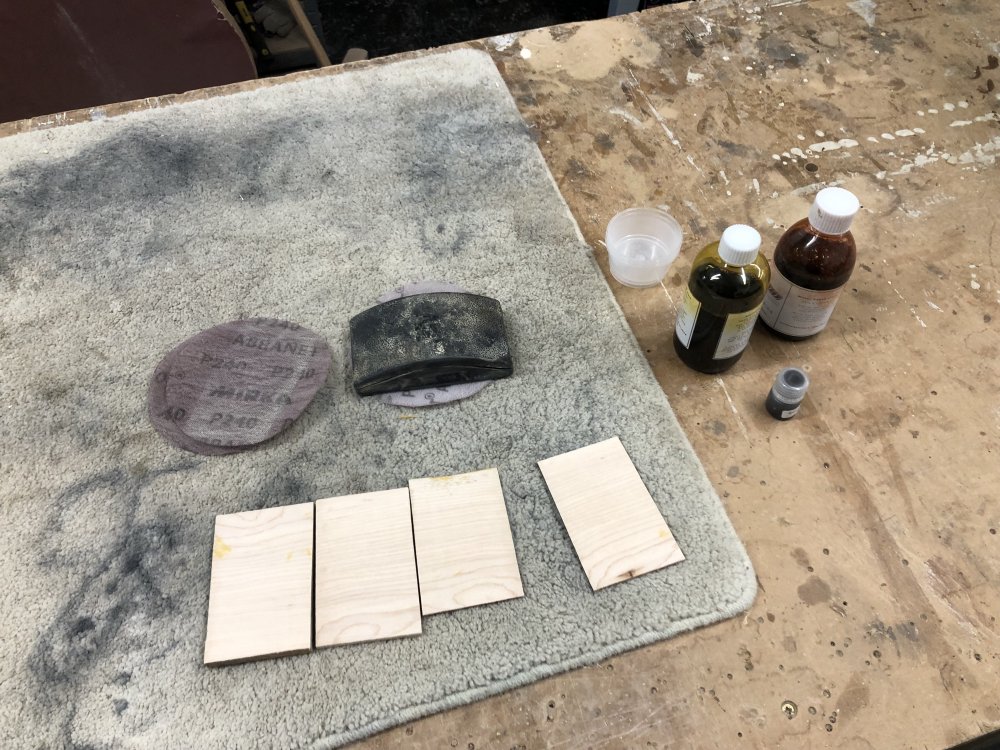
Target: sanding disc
237	384
428	396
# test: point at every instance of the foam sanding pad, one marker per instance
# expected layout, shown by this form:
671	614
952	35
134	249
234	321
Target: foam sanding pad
428	340
237	384
436	395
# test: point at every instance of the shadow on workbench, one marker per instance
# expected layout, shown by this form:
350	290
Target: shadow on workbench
989	741
391	26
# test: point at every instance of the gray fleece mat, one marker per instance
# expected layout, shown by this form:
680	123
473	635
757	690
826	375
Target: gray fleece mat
303	201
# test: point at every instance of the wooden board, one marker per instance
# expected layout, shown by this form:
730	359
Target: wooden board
614	525
465	553
260	599
366	574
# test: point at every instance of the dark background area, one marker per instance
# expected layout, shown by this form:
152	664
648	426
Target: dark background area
384	28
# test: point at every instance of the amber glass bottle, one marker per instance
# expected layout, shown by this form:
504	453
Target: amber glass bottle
724	293
812	262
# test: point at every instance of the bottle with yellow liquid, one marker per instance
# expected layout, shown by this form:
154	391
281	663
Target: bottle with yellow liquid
728	281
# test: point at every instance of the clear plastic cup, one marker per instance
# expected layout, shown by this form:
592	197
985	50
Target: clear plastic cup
642	243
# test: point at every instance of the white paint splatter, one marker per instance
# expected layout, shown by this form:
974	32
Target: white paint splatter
672	303
905	133
865	9
932	111
815	187
963	105
625	116
988	117
756	186
657	115
722	174
693	77
932	306
888	137
503	42
981	153
913	308
949	107
820	133
818	148
872	139
732	407
525	53
975	285
921	160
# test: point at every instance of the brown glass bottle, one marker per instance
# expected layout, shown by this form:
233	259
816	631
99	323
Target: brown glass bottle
812	262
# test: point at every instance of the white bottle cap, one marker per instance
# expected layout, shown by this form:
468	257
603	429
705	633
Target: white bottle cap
739	245
833	210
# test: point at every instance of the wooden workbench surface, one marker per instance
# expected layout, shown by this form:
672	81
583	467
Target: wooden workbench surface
871	517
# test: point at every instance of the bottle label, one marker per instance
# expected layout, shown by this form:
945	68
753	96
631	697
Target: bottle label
794	310
687	316
789	413
735	334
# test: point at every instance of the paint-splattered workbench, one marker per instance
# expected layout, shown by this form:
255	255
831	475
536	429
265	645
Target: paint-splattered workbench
872	517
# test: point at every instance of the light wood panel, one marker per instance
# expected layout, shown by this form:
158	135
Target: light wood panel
465	552
366	574
260	599
616	528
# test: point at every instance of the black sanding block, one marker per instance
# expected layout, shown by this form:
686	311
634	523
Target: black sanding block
428	340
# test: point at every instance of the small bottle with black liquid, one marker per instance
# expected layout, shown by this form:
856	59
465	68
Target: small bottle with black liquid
786	394
725	290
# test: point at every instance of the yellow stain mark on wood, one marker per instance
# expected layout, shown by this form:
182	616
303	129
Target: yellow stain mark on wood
220	549
408	416
456	479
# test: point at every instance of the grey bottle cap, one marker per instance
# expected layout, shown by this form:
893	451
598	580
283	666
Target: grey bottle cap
739	245
791	385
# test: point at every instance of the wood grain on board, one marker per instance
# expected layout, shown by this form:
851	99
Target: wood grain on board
366	574
465	552
616	528
260	599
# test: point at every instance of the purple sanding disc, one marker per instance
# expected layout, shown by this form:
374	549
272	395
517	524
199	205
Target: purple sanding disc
428	396
165	418
237	384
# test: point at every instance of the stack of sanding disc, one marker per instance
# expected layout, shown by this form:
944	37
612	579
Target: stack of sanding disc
236	385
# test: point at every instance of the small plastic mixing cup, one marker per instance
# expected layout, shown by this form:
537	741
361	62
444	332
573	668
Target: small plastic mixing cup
642	243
